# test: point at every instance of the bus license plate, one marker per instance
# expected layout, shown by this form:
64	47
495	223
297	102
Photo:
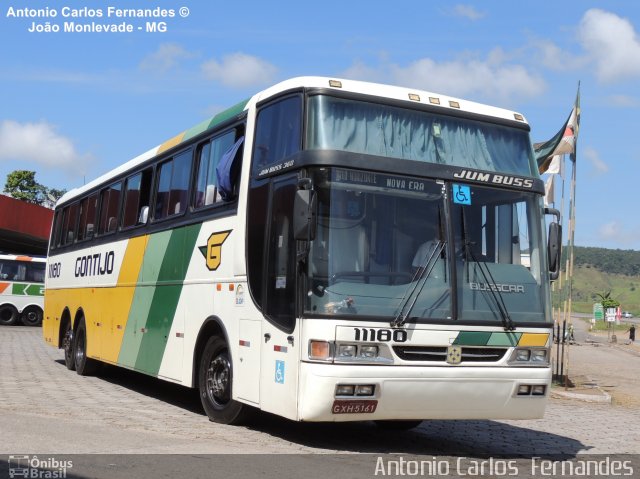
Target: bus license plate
341	406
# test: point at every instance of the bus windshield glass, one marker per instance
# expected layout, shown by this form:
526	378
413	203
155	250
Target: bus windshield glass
381	250
389	131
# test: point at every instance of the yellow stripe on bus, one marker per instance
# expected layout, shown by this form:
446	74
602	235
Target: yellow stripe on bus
117	301
171	143
533	339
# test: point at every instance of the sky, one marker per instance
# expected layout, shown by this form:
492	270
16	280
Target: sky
76	105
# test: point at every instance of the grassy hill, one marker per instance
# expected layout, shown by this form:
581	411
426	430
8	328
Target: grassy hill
599	270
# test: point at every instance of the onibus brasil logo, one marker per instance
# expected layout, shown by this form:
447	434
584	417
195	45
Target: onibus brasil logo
38	468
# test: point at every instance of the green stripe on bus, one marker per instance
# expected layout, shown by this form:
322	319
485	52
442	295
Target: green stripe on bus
143	297
196	130
228	113
472	338
165	299
504	339
28	289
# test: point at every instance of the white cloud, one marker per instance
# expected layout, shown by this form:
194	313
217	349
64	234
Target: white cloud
594	159
471	78
611	231
612	44
493	78
467	11
240	70
166	57
39	143
555	58
624	101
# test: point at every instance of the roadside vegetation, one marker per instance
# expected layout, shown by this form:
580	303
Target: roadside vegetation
598	271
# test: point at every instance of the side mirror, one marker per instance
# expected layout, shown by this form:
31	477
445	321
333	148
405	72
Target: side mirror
554	244
304	215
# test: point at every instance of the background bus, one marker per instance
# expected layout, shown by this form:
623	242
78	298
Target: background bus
328	250
21	289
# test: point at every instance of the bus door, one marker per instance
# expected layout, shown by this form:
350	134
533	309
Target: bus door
280	334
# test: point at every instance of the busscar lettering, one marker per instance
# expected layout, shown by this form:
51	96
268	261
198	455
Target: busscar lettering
98	264
501	288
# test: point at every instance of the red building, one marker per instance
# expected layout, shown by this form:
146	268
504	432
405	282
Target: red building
24	227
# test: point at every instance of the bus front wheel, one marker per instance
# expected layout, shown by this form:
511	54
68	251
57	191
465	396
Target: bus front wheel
8	315
32	316
215	378
84	366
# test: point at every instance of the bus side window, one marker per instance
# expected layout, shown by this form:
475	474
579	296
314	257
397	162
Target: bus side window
87	217
57	228
173	185
136	197
209	154
109	204
6	270
69	224
35	272
278	133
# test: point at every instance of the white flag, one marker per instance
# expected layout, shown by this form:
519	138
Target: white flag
549	191
556	166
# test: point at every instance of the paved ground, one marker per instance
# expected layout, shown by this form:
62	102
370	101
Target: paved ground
46	409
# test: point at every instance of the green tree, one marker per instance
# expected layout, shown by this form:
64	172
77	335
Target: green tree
22	185
607	301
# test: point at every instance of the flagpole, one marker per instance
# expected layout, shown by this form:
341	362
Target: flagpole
572	214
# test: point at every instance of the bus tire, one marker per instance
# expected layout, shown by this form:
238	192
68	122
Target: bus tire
67	346
84	366
32	316
8	315
398	425
215	379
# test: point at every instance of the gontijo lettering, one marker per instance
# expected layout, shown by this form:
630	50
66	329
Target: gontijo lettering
94	265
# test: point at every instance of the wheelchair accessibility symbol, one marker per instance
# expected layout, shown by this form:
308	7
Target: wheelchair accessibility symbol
279	372
461	194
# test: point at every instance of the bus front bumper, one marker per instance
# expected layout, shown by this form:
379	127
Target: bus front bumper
410	392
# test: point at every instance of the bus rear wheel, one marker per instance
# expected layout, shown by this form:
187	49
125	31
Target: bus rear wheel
84	366
8	315
215	379
32	316
67	345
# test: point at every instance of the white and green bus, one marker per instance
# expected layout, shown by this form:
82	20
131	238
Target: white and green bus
327	250
21	289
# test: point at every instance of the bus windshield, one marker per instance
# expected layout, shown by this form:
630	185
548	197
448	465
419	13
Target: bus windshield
381	250
389	131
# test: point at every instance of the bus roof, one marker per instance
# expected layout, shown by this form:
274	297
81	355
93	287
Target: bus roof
409	95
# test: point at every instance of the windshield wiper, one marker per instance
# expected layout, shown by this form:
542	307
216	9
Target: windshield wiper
418	282
507	322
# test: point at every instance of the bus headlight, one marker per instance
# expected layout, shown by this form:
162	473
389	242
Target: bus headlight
539	355
368	352
347	350
529	357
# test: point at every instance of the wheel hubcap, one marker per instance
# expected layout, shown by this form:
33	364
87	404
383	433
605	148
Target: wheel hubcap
67	343
218	379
